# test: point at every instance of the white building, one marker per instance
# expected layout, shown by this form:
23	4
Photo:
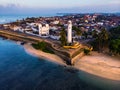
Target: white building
15	28
69	32
55	22
43	30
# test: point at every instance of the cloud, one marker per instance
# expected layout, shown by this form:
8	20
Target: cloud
16	9
115	2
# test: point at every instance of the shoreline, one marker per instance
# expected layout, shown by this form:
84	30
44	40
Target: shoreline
97	64
101	65
40	54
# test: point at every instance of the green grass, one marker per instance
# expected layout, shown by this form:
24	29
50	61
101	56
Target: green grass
43	46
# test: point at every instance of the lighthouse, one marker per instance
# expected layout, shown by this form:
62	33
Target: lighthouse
69	32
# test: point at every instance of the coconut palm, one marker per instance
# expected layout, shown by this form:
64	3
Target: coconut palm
63	38
102	39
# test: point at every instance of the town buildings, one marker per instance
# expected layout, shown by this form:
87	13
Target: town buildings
52	26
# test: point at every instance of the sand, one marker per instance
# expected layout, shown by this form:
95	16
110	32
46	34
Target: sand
100	65
46	56
97	64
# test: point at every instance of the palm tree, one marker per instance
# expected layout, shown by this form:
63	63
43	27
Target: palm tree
77	30
102	39
63	38
114	46
94	34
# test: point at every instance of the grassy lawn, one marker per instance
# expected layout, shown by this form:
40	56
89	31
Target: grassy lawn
43	47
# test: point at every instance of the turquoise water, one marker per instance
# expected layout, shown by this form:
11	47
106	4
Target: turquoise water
21	71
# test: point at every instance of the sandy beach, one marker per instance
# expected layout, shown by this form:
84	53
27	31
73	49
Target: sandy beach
98	64
47	56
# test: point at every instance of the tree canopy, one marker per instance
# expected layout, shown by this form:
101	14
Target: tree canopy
114	46
101	39
63	38
77	30
115	32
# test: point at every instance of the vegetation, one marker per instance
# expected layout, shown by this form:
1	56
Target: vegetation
85	34
63	38
86	51
114	45
43	47
100	17
115	33
77	30
59	24
101	39
94	34
109	40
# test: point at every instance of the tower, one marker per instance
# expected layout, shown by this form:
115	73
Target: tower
69	32
40	29
47	27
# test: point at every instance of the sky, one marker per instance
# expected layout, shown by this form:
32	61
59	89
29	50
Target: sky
58	6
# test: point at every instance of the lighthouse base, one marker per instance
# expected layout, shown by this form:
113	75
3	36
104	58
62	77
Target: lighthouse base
74	46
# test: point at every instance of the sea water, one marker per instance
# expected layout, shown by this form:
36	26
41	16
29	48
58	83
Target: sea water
21	71
11	18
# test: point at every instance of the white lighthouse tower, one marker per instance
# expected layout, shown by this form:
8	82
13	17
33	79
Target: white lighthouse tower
69	32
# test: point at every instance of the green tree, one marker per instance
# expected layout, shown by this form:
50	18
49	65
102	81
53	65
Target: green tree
94	34
40	45
101	39
63	38
43	46
85	34
114	46
115	32
77	30
87	51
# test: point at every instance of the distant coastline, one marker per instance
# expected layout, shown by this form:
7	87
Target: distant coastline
11	18
116	13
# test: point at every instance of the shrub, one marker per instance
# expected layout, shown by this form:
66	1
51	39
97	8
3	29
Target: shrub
86	51
43	47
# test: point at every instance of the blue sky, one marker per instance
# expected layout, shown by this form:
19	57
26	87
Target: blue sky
55	6
58	3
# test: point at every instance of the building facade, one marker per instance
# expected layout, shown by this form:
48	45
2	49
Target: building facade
43	30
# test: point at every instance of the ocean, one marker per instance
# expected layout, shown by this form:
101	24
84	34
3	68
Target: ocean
21	71
7	19
12	18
